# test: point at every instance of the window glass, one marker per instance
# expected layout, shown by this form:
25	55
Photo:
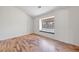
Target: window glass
47	24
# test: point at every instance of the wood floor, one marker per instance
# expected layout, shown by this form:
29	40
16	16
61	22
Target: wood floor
35	43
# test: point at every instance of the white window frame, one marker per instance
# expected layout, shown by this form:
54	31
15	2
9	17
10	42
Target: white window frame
45	29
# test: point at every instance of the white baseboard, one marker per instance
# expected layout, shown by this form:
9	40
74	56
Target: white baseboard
9	37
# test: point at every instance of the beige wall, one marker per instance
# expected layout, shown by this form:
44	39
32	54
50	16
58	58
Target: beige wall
65	30
14	22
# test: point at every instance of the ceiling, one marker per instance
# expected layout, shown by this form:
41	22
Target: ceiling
36	10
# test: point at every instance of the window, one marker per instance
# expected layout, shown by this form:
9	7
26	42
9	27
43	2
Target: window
47	24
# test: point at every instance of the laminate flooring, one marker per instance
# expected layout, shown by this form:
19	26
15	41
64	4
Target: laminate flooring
35	43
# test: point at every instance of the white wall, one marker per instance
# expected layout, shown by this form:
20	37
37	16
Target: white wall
61	25
66	25
74	24
14	22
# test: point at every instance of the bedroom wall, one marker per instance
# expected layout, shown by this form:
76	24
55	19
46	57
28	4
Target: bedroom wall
61	25
14	22
66	25
74	24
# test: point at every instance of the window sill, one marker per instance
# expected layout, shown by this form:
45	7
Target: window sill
47	32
